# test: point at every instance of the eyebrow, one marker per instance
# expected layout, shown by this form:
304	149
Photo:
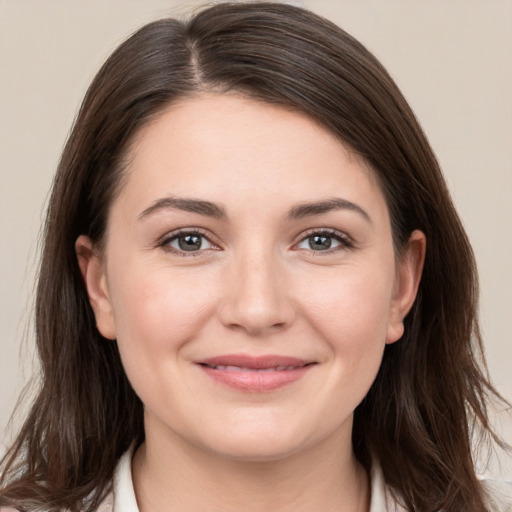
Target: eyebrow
199	206
209	209
308	209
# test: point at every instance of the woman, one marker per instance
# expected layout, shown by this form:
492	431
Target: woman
255	291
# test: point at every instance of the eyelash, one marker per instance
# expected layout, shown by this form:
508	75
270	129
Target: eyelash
165	241
346	242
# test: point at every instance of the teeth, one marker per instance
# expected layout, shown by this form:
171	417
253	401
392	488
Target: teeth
229	368
243	369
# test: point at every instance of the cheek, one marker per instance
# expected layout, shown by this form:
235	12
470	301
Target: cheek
157	311
350	306
349	310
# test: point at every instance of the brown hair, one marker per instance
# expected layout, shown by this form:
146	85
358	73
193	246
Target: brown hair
430	390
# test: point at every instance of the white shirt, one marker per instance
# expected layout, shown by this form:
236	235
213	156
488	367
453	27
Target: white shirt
122	499
382	500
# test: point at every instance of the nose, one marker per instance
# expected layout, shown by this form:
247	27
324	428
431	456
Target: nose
256	300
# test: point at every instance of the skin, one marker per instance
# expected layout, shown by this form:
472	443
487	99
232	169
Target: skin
256	286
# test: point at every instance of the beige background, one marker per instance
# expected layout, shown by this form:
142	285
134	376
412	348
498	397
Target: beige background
452	59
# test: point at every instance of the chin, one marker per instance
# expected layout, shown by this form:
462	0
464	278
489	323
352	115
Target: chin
257	449
263	441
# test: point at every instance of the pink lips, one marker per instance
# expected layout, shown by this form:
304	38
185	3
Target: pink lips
255	373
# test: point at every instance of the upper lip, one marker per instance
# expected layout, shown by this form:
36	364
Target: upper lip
254	362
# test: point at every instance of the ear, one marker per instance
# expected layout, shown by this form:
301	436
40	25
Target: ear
95	279
407	280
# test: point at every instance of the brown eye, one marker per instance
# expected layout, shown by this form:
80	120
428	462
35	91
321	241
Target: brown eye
322	241
319	242
326	241
189	242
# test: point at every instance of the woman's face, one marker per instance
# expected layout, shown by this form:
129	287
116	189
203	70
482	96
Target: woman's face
249	278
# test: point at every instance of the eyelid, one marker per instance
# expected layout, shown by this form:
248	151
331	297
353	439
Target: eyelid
346	241
163	241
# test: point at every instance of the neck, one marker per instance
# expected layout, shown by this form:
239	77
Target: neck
180	477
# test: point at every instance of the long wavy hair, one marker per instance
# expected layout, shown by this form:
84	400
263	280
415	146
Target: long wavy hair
432	387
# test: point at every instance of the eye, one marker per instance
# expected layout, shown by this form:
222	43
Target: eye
187	241
324	241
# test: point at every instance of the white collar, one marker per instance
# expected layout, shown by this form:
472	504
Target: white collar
124	499
124	494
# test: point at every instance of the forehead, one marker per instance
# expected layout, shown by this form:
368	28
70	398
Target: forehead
230	148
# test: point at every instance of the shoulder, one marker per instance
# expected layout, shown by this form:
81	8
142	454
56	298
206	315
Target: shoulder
386	499
499	495
107	505
122	498
2	454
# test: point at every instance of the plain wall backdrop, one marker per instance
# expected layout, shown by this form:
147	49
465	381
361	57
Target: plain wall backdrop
451	58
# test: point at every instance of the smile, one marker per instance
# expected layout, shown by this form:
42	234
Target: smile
248	369
255	374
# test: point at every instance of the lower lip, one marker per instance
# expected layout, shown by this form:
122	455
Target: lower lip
254	381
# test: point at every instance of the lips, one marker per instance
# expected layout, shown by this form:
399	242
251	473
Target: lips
248	369
255	373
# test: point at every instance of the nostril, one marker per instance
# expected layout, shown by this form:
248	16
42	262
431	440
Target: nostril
256	302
